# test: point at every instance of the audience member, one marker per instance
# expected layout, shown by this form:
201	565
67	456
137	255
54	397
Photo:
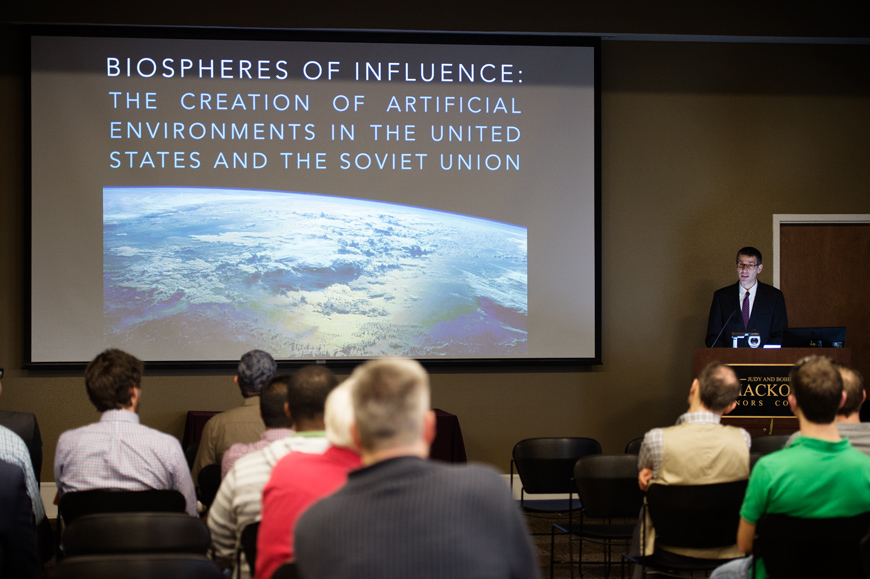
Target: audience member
239	499
117	452
242	424
819	476
278	423
24	424
698	449
14	451
402	515
849	423
299	479
18	552
18	453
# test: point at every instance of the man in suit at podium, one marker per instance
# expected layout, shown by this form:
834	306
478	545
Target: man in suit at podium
747	306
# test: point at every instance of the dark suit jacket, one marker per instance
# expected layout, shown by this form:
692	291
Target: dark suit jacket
18	553
768	317
24	425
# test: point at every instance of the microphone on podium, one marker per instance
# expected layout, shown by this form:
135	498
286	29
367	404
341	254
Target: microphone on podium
725	325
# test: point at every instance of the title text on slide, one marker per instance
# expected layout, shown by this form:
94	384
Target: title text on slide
361	161
267	69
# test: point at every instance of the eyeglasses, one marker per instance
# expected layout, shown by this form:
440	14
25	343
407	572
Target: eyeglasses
741	265
1	373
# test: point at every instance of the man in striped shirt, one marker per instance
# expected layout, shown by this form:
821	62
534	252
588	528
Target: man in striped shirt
239	499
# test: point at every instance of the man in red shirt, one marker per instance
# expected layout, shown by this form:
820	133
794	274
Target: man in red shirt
300	479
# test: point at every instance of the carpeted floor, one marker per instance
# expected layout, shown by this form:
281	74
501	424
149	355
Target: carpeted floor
593	553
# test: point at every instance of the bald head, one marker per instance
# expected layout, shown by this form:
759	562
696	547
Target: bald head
718	387
390	400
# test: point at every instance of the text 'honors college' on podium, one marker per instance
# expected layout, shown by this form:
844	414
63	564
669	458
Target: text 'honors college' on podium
762	407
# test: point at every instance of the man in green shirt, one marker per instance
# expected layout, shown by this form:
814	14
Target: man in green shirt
819	476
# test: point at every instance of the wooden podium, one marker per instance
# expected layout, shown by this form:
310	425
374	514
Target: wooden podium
763	403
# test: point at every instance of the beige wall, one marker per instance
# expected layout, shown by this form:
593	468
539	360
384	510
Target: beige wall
701	145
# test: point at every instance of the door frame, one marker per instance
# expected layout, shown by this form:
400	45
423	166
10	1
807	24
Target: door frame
780	219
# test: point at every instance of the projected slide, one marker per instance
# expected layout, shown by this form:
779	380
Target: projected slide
325	196
308	275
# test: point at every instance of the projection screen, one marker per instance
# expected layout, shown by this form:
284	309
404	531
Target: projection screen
328	196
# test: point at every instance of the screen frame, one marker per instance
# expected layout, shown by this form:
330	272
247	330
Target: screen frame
337	36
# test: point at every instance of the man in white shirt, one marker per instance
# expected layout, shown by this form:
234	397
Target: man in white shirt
240	497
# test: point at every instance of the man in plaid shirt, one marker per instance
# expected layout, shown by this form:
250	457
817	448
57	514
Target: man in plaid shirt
697	450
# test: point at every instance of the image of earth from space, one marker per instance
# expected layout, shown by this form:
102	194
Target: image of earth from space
207	274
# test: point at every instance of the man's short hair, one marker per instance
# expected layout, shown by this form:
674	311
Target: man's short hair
853	384
307	391
109	377
390	400
718	386
272	399
255	370
818	388
749	252
338	416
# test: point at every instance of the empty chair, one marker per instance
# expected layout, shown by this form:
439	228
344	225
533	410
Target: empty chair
162	566
766	444
608	489
793	548
691	517
190	454
209	481
130	533
248	546
546	466
633	446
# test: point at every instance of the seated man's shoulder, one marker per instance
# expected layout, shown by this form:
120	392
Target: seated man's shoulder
75	435
17	421
158	435
478	479
859	458
249	460
239	412
12	441
238	447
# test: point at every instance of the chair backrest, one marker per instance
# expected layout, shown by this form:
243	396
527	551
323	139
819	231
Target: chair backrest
164	566
865	553
286	571
766	444
76	504
793	547
607	485
209	481
190	454
696	516
546	465
129	533
248	545
633	446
